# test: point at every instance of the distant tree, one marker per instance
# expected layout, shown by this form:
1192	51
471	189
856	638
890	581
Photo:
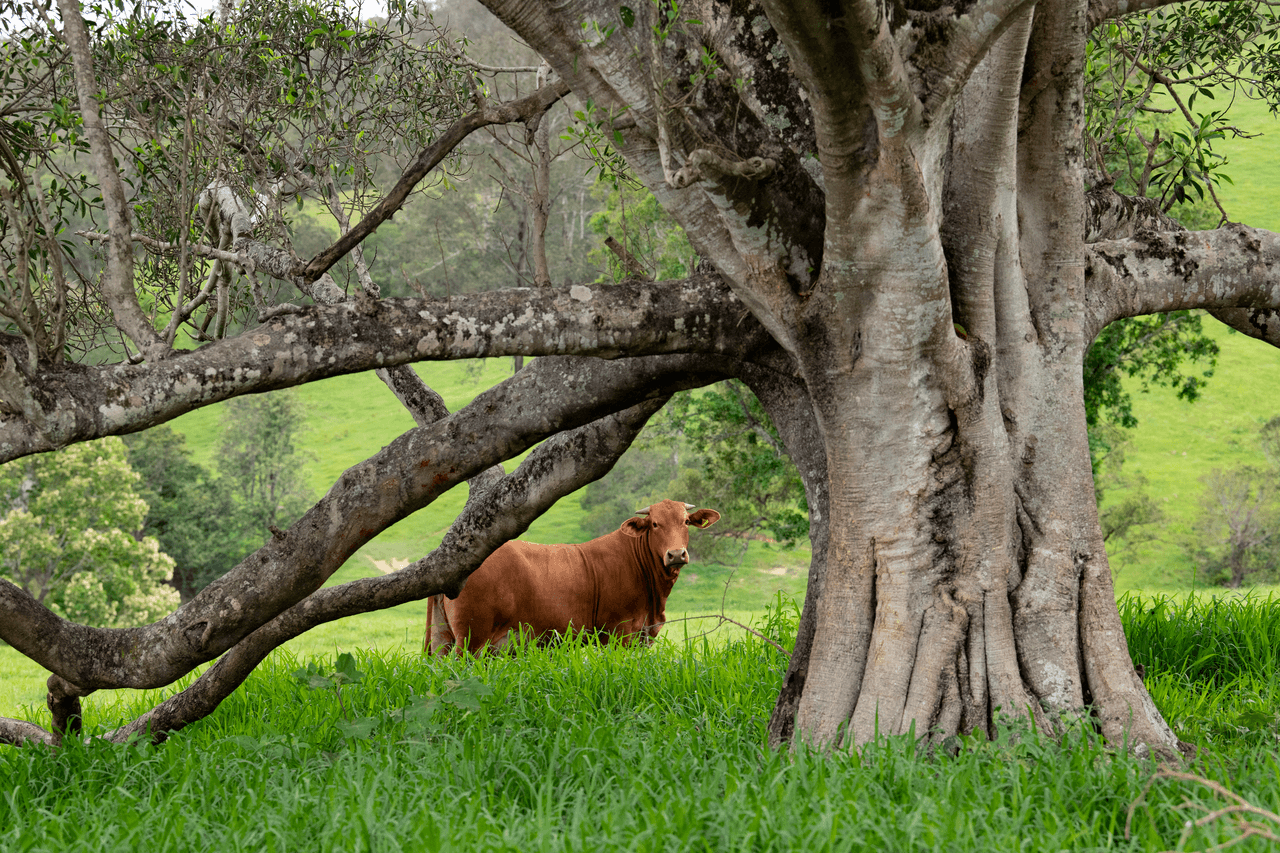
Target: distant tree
68	537
1239	524
259	464
195	522
739	464
641	238
1127	520
1269	437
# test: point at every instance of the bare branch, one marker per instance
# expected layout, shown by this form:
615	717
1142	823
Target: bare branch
488	114
629	262
77	403
117	283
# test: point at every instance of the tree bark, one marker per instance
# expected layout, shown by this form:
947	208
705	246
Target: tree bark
918	250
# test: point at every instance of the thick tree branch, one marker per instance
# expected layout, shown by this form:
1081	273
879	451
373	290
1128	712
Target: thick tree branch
552	395
557	467
22	733
1233	267
77	403
1105	10
1260	323
1111	216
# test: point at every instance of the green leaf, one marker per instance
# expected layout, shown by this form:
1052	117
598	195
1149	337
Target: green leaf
360	729
346	666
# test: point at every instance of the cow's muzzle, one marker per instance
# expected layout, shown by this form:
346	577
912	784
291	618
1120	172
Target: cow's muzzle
677	557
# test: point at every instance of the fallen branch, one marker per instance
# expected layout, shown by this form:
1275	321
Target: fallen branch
1241	812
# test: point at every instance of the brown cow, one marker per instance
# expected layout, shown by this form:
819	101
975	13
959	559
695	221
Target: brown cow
616	585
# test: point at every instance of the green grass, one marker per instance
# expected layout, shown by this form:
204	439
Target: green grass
1176	443
1252	165
1212	665
583	748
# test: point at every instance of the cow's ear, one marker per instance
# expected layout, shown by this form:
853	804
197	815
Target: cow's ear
703	518
635	526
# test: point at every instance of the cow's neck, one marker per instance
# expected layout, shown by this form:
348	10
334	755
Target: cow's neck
653	577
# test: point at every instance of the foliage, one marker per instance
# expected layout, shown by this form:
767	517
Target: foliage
1156	350
1239	525
209	521
1152	350
633	217
739	462
580	745
68	537
1146	76
280	102
259	463
195	521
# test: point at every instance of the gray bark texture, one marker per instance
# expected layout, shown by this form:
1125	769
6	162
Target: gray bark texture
867	180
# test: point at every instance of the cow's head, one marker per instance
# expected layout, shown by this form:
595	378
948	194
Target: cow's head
667	524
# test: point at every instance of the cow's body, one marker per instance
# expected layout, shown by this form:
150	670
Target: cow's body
615	585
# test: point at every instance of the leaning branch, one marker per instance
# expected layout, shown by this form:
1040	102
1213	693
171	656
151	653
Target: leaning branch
524	109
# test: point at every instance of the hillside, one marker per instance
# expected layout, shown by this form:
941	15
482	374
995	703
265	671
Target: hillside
1176	443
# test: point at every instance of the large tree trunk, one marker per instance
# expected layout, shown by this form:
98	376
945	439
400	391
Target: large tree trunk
936	335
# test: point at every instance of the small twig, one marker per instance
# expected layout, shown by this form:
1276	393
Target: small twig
204	251
722	619
628	260
1248	829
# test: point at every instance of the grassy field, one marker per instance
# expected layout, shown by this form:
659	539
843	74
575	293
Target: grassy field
1177	443
582	748
1252	165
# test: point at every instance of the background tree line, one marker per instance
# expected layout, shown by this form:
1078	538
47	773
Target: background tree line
114	532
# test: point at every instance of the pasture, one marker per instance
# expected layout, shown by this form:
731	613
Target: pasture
581	748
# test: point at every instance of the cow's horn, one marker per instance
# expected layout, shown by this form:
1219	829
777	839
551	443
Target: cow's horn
689	506
644	511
